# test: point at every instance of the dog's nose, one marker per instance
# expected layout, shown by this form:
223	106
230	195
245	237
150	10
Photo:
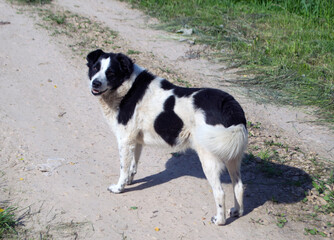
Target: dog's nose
96	84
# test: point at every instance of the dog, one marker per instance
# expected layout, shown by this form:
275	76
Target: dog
143	109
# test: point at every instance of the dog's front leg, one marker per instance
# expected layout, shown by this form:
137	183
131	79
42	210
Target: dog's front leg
126	152
134	163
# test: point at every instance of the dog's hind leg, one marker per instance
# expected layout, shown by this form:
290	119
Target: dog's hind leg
212	168
233	168
134	163
127	156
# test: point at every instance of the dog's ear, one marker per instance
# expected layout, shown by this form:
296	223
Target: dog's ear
125	63
92	57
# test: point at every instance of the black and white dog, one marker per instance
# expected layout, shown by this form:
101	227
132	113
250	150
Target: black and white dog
143	109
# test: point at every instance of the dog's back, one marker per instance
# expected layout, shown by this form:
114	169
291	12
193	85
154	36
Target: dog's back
181	117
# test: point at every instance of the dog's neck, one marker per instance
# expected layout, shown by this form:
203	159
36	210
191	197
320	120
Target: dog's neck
113	98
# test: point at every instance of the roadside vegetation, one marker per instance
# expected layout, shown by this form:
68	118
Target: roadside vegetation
287	45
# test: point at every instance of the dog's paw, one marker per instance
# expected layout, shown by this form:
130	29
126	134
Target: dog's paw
234	212
115	188
218	221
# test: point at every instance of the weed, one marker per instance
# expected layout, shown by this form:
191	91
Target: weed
281	221
272	143
259	221
56	18
183	82
116	47
305	200
256	147
256	125
7	221
264	154
297	149
166	70
314	231
319	186
314	161
329	224
131	52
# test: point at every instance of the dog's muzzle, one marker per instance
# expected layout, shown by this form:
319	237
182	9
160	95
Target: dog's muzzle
96	84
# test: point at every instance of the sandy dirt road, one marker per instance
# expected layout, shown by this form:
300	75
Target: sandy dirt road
58	155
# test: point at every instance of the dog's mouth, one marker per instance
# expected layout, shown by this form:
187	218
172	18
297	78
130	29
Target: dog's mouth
97	92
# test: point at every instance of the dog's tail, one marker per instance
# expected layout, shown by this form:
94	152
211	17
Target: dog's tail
227	143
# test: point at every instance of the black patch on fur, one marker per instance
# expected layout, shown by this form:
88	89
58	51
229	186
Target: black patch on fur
178	91
134	95
168	125
119	70
92	62
92	57
219	107
169	104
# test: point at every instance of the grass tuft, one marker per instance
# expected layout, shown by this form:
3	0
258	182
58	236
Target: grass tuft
7	221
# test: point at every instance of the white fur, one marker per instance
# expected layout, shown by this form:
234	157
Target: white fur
226	143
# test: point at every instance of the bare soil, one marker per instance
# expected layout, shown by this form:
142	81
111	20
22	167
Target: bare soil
58	155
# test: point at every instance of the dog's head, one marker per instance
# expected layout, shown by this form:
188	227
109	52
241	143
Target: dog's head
107	71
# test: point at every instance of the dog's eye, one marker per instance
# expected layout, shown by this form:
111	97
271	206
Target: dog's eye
110	73
96	67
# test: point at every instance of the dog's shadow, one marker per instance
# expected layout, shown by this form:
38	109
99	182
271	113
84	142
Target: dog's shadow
264	181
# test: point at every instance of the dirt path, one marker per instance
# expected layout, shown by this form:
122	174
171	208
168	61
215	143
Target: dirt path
58	155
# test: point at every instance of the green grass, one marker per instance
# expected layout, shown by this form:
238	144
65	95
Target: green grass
7	221
289	45
57	18
132	52
314	231
281	220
